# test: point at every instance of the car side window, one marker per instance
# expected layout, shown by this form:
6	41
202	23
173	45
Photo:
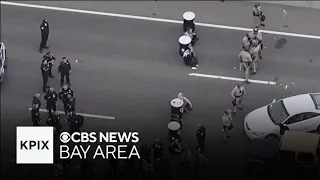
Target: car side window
296	118
309	115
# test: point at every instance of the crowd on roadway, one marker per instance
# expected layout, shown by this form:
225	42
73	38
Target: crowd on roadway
249	59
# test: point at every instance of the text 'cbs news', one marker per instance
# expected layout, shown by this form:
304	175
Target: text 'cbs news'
36	145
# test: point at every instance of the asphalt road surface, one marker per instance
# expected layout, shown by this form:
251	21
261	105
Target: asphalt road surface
231	13
131	69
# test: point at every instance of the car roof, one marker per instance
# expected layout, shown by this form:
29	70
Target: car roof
300	142
300	103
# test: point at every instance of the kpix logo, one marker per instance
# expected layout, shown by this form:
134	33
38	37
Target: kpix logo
34	145
29	145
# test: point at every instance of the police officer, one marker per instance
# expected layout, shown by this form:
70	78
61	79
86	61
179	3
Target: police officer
201	136
246	42
226	123
50	59
51	97
146	153
76	122
71	104
35	114
63	95
157	150
256	38
245	62
255	55
44	28
45	74
64	70
257	15
237	94
54	120
36	100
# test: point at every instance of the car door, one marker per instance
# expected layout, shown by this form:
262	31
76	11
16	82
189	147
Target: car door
303	121
312	120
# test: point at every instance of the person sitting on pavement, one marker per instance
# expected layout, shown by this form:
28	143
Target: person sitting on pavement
187	105
175	146
192	35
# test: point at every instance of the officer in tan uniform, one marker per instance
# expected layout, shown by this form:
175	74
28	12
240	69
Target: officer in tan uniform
255	55
237	94
255	37
245	62
258	17
246	42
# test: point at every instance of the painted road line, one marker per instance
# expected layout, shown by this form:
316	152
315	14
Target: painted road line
83	114
155	19
231	78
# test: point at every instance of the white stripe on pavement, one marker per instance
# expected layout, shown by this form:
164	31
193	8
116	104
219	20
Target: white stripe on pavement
85	115
231	78
154	19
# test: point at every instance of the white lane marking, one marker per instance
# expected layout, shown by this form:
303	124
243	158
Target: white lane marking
231	78
85	115
155	19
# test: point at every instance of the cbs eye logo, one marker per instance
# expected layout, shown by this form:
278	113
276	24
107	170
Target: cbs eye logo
65	137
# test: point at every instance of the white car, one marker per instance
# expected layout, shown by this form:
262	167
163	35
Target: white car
297	113
3	62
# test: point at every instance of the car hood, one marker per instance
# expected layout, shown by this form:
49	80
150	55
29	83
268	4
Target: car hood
259	121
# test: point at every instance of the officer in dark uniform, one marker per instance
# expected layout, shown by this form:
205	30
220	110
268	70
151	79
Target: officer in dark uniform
44	27
35	114
146	153
51	97
45	74
71	104
157	150
50	59
76	122
36	100
54	120
64	70
63	95
201	136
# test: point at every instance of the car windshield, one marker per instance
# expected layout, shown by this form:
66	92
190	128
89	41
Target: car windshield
277	112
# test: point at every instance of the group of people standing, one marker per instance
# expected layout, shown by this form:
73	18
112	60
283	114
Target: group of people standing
64	70
75	121
252	46
249	57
